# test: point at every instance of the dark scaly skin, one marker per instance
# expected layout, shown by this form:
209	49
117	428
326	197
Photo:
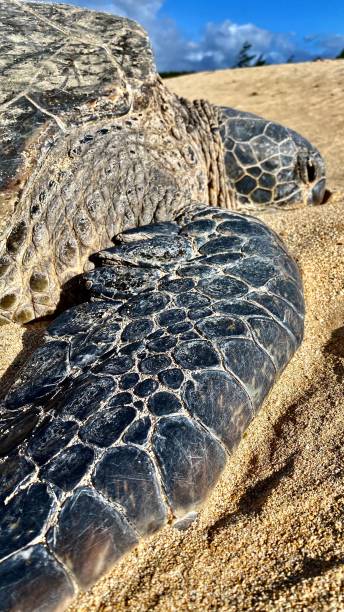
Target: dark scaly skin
269	165
128	413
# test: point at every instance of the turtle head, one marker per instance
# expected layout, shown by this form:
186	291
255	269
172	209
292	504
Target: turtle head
268	164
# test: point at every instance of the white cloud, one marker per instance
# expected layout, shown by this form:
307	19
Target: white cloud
219	44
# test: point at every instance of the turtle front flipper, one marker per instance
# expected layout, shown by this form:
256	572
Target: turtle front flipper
125	418
267	164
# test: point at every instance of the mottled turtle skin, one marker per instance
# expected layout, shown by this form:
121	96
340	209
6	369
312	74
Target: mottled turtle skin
92	142
123	420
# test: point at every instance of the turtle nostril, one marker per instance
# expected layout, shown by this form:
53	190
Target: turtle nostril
311	171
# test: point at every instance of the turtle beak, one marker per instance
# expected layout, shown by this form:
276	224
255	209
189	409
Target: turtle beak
317	193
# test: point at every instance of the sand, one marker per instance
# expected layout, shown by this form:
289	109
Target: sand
270	536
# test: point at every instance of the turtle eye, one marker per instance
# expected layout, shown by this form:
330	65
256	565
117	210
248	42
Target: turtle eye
311	171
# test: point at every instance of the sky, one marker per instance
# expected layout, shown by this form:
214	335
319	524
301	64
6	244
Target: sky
192	35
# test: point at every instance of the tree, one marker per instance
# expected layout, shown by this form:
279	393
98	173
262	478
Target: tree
246	58
340	55
260	61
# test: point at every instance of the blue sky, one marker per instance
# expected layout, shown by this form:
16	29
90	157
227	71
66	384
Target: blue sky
300	16
206	34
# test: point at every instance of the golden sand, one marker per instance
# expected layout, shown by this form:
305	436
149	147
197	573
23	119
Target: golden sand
270	537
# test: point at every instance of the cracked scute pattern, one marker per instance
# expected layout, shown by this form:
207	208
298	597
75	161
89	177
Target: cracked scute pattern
111	446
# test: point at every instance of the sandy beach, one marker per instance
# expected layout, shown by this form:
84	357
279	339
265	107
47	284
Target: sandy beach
270	536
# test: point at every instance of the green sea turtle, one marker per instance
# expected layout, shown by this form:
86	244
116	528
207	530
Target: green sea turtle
125	417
